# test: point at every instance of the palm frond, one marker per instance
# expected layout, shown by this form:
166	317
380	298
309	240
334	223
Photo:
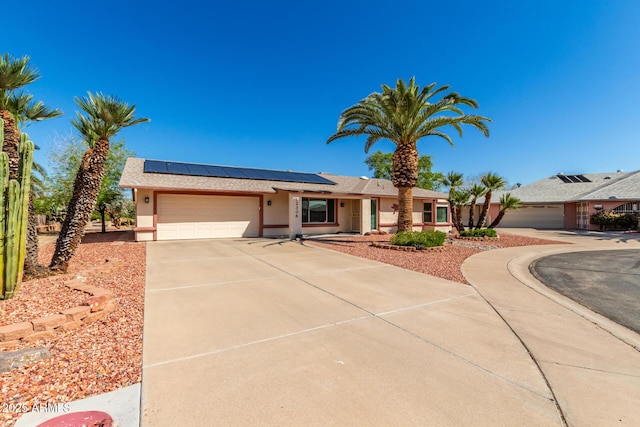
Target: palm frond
26	111
104	116
406	113
16	73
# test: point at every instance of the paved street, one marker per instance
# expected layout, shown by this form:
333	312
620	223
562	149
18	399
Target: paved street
607	282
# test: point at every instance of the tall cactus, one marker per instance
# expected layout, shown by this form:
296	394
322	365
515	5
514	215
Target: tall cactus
14	214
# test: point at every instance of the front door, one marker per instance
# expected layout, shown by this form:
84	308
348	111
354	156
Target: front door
355	215
374	214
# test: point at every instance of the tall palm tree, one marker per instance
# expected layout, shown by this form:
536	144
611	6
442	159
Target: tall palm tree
455	181
491	182
404	115
104	116
27	111
15	73
507	202
476	191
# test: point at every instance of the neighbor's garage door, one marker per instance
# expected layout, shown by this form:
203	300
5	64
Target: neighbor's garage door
203	217
535	216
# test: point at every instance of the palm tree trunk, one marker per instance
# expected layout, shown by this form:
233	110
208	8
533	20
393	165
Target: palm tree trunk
405	209
458	221
31	266
83	201
472	208
11	142
496	221
485	210
404	177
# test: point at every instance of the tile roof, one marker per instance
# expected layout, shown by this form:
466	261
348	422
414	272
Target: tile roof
133	176
603	186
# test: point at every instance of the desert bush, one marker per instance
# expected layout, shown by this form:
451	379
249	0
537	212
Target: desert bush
482	232
419	239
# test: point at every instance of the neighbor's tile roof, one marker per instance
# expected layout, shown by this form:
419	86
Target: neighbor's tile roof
133	176
603	186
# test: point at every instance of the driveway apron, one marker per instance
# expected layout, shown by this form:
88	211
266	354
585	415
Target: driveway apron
268	332
591	363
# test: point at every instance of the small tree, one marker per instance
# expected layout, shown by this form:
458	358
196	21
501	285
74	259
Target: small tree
64	161
491	182
507	202
455	181
458	199
475	191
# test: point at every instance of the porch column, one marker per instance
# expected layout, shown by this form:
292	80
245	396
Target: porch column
295	215
365	216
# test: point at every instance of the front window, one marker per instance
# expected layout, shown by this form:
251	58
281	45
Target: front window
427	214
318	211
628	208
441	214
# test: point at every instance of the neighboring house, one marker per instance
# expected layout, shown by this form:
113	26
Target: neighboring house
568	201
196	201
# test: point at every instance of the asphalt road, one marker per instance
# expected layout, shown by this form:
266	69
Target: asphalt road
607	282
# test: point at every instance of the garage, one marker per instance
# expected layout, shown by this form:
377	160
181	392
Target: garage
182	216
535	216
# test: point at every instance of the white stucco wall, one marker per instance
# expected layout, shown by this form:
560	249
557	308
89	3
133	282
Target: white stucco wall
144	211
295	214
278	212
144	214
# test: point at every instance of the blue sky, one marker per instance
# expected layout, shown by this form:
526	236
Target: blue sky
262	84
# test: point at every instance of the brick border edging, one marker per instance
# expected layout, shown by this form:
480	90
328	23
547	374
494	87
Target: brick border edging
99	303
407	248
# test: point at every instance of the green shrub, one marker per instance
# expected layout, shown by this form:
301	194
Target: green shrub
488	232
419	239
608	220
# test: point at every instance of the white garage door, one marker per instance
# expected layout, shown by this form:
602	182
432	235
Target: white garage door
535	216
203	217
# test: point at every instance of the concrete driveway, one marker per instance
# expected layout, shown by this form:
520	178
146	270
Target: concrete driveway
263	332
591	363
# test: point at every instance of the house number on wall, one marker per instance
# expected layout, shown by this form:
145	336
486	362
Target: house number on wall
296	201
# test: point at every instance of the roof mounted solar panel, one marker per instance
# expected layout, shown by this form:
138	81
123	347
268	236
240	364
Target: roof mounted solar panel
234	173
198	170
254	174
192	169
177	168
154	166
573	179
216	171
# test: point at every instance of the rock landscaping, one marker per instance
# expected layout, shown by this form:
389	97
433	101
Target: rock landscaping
100	348
443	261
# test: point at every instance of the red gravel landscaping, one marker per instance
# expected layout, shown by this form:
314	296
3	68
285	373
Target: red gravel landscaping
445	264
95	358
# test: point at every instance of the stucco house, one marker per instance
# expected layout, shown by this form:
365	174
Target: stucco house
194	201
568	201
